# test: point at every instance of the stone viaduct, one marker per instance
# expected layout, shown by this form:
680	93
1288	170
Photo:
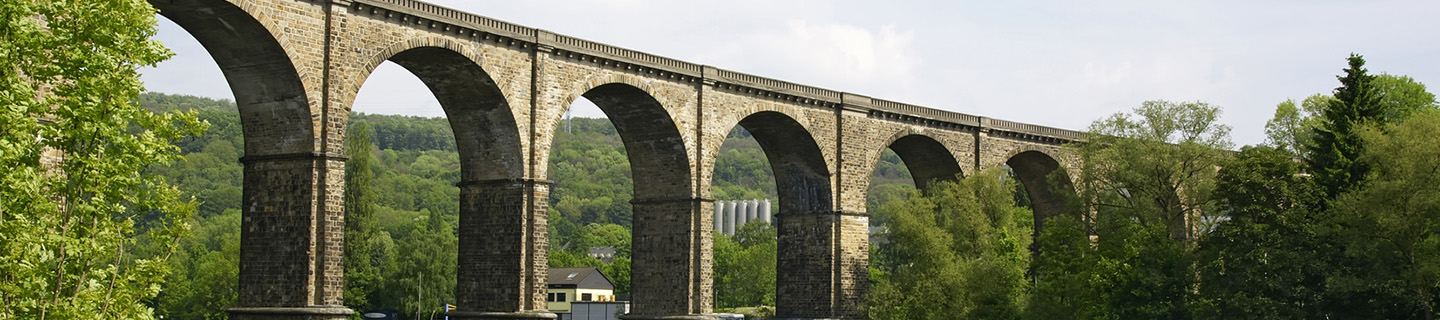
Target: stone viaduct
295	67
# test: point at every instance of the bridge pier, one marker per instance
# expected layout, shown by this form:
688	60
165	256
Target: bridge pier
824	260
290	259
671	276
503	250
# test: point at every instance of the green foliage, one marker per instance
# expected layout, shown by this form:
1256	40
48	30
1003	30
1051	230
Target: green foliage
1390	225
1401	97
362	274
1335	144
890	182
592	176
206	270
1064	267
424	267
1156	168
68	229
1264	262
1142	272
965	254
1148	180
741	169
1291	128
407	133
745	267
602	235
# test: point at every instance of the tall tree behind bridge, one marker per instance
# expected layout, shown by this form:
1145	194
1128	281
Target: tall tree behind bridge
362	276
67	222
1335	144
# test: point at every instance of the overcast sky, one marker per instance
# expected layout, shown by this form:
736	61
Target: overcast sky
1055	63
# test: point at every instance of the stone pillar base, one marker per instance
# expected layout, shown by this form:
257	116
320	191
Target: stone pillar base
289	313
679	317
476	315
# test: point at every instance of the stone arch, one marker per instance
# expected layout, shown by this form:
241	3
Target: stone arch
486	134
275	111
803	181
289	161
670	232
497	225
659	161
802	177
725	122
1046	181
644	101
928	159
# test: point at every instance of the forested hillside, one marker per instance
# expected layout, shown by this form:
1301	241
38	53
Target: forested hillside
415	210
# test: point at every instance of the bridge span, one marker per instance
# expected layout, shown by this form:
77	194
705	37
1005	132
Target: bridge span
295	67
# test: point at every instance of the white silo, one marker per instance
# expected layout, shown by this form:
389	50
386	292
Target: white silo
752	210
765	211
730	217
719	212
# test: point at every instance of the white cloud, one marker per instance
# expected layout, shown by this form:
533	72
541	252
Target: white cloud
839	56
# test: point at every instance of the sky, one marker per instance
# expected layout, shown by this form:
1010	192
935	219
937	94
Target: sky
1063	64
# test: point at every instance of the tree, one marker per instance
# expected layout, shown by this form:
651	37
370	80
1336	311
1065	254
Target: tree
745	266
960	241
1157	166
426	261
1146	178
1390	224
68	86
1336	144
206	271
1063	268
1401	97
362	276
1291	129
1265	261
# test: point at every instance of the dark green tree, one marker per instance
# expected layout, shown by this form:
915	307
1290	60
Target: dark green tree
1390	226
362	276
1336	144
1062	274
425	262
1264	261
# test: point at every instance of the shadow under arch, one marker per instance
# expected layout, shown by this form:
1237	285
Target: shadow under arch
486	135
659	164
668	241
275	111
1047	183
496	225
286	167
804	256
802	179
927	159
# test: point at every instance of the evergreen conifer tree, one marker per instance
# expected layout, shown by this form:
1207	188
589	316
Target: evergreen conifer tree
1336	145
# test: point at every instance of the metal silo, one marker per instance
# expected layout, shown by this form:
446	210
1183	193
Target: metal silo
765	211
